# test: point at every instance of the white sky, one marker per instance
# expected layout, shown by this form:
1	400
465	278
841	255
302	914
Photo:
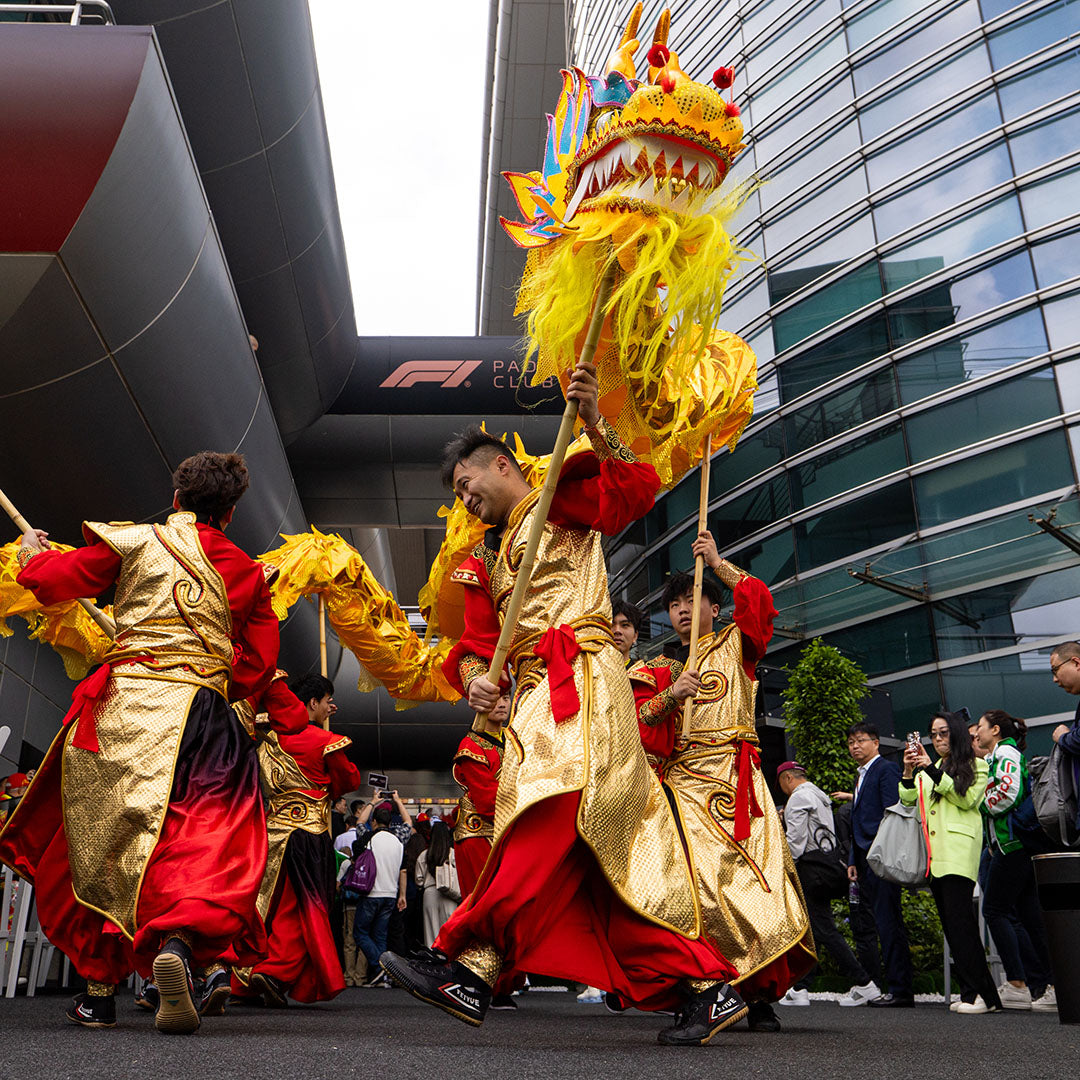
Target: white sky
403	88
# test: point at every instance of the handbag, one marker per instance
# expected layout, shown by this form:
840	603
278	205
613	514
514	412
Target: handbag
446	880
899	852
822	872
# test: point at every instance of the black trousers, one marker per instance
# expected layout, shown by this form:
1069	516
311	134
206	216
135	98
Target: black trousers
953	895
883	900
829	938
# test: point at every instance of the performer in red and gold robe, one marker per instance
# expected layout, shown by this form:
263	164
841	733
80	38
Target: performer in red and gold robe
143	831
748	891
586	880
304	770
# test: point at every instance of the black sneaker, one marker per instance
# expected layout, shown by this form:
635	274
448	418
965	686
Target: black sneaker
147	998
762	1017
273	992
92	1012
214	993
451	987
503	1003
703	1016
176	1012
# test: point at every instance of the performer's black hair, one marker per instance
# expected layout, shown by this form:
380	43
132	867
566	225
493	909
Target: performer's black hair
210	484
682	583
311	687
474	439
631	612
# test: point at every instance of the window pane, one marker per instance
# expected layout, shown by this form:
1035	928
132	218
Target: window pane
879	17
1063	321
1034	33
928	142
1029	91
796	29
915	700
842	297
976	353
992	8
1001	683
796	223
844	244
841	411
897	55
752	456
746	308
1051	200
837	356
1068	380
750	513
1057	260
971	176
766	397
864	523
877	454
985	227
882	645
1006	475
778	138
801	74
771	560
823	153
997	409
929	89
1048	141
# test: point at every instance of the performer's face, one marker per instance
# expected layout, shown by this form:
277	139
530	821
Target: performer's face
681	613
622	630
488	488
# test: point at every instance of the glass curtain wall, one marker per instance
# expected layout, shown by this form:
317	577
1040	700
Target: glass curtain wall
915	309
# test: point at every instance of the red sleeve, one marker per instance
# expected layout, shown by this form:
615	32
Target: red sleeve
255	626
55	576
481	625
603	495
344	775
754	614
480	782
285	710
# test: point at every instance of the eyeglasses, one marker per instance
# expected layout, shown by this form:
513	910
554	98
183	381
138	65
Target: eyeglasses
939	734
1054	668
855	740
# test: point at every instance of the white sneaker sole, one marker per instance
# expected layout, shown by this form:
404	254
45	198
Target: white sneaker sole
176	1013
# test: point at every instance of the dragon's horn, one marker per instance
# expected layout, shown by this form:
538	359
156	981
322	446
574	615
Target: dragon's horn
671	66
622	59
663	28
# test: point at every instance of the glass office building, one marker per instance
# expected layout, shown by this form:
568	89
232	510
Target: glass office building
916	316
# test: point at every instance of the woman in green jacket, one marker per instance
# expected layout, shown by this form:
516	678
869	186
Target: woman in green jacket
948	794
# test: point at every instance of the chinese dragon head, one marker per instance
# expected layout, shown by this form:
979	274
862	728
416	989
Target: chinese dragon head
633	175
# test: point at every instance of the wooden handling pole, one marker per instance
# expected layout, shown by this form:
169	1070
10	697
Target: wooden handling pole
547	492
322	648
95	613
699	571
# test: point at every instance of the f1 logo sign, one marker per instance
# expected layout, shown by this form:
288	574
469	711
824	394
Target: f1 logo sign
447	373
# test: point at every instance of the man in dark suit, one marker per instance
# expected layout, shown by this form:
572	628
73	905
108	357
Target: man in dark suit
877	787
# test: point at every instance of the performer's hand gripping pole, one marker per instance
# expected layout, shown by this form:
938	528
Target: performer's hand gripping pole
551	479
95	613
699	570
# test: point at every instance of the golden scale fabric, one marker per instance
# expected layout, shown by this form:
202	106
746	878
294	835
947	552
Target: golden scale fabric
749	894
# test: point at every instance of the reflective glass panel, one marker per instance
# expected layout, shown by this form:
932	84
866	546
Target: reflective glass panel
1001	683
752	455
803	73
939	192
926	143
836	196
837	247
1063	321
837	356
977	621
865	522
981	229
745	308
1035	146
833	302
1068	380
779	139
772	560
976	353
1035	88
931	32
819	156
881	645
914	701
1057	260
757	509
1003	407
767	396
842	410
878	18
876	454
1050	200
795	30
929	89
1034	33
1009	474
762	343
992	8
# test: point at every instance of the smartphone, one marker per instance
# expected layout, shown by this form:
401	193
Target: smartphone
378	780
914	741
386	794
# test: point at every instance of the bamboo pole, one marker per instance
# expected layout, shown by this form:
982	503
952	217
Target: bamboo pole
95	613
322	648
547	492
699	572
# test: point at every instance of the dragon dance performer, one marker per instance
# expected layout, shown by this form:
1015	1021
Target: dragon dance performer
751	903
143	831
304	768
586	879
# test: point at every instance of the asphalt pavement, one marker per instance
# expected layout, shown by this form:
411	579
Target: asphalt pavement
387	1035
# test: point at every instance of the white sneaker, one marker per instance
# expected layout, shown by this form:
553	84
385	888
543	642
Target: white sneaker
860	995
591	996
954	1005
972	1008
1046	1003
795	997
1014	997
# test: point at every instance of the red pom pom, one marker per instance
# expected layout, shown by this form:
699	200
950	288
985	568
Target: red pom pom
667	82
731	108
723	77
659	54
